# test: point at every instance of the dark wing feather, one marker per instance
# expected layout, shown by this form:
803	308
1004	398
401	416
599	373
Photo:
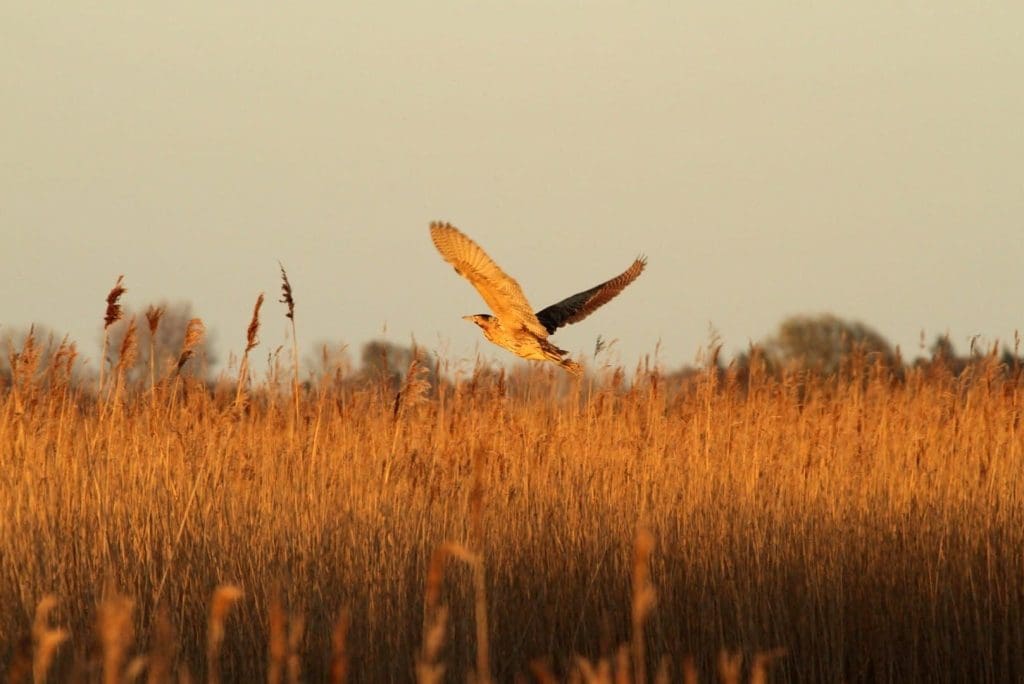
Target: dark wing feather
582	304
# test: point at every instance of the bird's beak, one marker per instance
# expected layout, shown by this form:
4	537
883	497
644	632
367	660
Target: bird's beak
468	318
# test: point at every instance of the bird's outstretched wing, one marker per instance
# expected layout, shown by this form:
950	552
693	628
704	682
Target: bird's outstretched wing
582	304
501	292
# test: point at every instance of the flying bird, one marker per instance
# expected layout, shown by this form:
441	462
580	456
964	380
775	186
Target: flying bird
513	325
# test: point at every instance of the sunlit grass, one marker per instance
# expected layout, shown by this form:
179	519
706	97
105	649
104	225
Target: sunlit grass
869	525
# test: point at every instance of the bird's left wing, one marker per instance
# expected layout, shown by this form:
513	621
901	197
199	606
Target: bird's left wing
577	307
501	292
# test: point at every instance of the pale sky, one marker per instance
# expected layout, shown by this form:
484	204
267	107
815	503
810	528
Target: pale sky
860	158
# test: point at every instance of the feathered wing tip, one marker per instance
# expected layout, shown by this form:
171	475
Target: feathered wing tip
580	305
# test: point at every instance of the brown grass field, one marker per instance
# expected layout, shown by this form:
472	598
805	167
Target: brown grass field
863	527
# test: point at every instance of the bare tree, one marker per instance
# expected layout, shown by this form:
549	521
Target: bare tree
167	339
383	359
45	344
820	342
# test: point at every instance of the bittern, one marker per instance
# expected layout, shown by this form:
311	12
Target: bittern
513	325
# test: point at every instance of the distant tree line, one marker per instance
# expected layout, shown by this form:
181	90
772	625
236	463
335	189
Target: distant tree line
819	344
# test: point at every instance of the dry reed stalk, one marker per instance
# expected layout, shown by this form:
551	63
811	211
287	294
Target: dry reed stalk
435	620
296	631
414	386
194	332
477	491
125	360
45	639
622	665
27	361
762	661
483	649
163	648
284	642
129	349
153	316
277	644
24	364
251	340
200	477
112	315
729	667
62	364
224	597
288	299
193	338
339	667
429	670
689	670
62	370
663	674
116	632
21	661
594	674
542	672
852	456
643	601
413	391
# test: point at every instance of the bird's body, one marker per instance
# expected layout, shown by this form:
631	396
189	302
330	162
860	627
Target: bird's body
522	342
514	326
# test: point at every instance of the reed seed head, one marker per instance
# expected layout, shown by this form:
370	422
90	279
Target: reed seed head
114	311
129	348
153	316
193	337
252	332
286	293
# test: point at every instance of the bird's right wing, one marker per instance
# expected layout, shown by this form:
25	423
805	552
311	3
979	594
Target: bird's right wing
577	307
501	292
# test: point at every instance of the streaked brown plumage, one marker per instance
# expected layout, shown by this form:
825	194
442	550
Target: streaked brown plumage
514	325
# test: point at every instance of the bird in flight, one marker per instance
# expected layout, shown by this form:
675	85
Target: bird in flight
513	325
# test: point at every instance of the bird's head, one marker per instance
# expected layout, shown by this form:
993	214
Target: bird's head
483	320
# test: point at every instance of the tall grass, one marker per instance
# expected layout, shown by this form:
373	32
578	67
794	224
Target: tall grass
870	524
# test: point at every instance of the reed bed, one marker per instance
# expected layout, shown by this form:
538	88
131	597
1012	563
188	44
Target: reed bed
867	526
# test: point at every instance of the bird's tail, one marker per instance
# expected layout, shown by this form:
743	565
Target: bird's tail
571	366
553	353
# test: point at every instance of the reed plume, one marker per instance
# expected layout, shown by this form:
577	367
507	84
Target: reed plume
112	315
62	364
24	364
414	387
413	391
126	358
193	338
153	316
251	340
288	300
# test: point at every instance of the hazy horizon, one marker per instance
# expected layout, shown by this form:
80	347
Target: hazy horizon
863	160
